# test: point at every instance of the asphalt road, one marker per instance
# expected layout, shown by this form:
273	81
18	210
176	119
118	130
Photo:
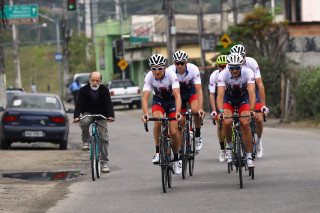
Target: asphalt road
286	178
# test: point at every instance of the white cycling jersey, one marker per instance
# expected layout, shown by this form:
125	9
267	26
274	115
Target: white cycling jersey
213	81
252	64
190	78
236	87
161	88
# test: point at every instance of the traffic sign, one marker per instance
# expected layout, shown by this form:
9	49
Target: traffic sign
225	40
122	64
208	43
22	14
58	56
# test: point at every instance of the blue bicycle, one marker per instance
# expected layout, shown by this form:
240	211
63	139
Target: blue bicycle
94	146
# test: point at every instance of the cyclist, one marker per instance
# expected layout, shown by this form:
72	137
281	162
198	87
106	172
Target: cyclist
236	89
166	99
260	93
222	63
190	89
94	98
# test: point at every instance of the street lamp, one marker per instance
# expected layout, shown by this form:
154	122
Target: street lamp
31	28
58	46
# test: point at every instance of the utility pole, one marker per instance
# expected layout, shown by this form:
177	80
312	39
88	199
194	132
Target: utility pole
78	18
205	76
224	15
170	30
120	45
66	39
17	73
3	87
88	19
235	12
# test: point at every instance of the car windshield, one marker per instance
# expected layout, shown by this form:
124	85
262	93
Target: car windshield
121	84
83	79
35	102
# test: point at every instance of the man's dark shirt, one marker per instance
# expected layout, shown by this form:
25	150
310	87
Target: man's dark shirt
87	103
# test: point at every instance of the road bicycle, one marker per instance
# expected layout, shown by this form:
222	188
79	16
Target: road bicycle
94	146
238	151
188	149
165	151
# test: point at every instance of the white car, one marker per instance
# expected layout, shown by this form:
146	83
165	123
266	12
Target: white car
123	91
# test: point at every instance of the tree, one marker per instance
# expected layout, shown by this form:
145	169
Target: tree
80	49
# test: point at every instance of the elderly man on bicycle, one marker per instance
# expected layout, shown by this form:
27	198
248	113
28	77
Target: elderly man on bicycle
94	98
236	88
166	99
190	89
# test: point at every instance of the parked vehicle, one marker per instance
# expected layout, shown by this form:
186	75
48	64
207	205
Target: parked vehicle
83	79
123	91
34	117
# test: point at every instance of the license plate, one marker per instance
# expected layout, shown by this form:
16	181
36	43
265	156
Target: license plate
33	133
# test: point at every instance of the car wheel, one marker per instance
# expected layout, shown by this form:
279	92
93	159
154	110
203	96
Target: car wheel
4	144
64	145
131	106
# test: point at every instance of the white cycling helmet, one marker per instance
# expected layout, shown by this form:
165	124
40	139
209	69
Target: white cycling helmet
157	60
238	49
180	56
234	59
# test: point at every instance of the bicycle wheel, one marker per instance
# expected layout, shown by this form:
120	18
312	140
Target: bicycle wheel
163	162
169	170
239	158
184	156
93	158
191	151
98	165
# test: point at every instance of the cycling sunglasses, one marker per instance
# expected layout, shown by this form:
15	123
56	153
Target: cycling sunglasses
157	68
234	67
222	66
180	63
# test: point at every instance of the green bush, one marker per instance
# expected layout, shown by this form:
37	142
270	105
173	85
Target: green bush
307	94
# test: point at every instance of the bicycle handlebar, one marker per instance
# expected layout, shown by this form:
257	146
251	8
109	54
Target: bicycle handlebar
264	114
95	116
160	119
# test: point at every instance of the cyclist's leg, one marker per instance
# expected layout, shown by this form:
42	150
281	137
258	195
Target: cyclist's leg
228	107
85	134
259	116
175	137
157	112
103	144
259	124
245	128
246	132
227	129
183	109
